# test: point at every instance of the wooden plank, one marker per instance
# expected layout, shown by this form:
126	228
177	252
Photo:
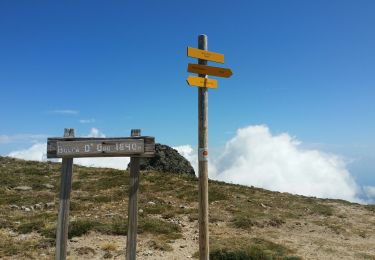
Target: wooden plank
131	242
209	70
203	164
65	189
96	148
205	55
201	82
149	146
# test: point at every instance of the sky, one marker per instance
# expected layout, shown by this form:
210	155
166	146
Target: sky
301	69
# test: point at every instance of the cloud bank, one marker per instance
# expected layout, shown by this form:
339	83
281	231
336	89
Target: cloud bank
277	162
254	156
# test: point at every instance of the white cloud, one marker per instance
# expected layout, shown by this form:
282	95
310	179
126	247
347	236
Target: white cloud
188	152
87	121
94	132
120	163
64	112
370	193
30	138
36	152
277	162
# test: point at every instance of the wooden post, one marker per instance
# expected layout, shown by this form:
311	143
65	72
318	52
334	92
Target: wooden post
203	159
131	244
65	189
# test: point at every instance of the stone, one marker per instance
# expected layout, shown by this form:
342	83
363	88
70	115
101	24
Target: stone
48	186
12	233
140	211
50	204
151	203
74	239
14	206
166	160
23	188
38	206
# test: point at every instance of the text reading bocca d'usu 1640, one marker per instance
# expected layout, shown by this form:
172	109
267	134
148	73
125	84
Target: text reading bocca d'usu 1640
99	147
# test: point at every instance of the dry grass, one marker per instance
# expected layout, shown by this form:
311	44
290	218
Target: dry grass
99	203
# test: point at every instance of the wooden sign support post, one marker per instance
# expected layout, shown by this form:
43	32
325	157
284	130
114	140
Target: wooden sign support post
65	189
131	243
203	159
203	82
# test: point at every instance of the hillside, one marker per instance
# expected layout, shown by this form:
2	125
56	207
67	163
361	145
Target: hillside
245	222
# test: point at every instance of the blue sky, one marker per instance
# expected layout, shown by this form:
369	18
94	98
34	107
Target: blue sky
301	67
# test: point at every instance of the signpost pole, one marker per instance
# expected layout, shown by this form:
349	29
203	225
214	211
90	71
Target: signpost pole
131	243
203	159
65	189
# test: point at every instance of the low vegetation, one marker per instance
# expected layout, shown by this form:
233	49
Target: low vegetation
252	217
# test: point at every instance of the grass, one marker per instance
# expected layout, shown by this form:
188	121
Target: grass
99	203
237	248
370	208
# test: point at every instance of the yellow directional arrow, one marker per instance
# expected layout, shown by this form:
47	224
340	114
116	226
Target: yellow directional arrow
209	70
201	82
205	55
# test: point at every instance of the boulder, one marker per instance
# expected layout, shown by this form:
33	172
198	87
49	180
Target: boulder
166	160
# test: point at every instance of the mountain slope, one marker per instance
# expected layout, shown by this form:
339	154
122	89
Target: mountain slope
245	222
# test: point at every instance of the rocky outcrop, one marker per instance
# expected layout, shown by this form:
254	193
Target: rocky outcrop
167	160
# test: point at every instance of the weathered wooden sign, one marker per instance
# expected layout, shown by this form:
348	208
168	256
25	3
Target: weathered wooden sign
209	70
100	147
201	82
205	55
69	147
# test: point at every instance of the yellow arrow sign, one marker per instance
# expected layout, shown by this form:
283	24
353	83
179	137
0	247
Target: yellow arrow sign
201	82
208	70
205	55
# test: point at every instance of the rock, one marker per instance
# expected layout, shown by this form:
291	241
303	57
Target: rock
74	239
14	206
151	203
140	211
50	204
48	186
147	253
167	160
38	206
27	209
12	233
23	188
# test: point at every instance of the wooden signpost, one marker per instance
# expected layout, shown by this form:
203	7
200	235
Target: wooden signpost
205	55
201	82
70	147
209	70
203	70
